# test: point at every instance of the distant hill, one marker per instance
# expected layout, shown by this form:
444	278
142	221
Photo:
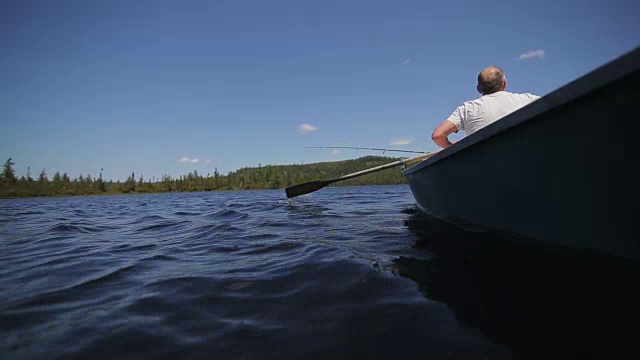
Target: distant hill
261	177
282	176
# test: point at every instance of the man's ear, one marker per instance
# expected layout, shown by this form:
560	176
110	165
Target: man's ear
504	85
478	88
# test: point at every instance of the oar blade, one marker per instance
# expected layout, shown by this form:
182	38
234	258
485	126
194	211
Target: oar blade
305	188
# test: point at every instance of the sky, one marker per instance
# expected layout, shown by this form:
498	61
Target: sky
168	87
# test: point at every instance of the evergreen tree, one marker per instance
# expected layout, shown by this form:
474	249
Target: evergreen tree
42	179
101	185
130	184
9	174
56	183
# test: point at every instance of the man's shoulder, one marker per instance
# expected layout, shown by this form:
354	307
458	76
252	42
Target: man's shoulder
497	97
525	95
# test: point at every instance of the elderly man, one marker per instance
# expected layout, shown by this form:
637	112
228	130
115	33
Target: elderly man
494	104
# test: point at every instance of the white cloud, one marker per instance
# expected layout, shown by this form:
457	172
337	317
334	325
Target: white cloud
406	61
208	161
401	142
186	159
532	54
335	151
306	128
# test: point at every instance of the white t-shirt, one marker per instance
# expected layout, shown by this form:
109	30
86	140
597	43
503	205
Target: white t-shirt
476	114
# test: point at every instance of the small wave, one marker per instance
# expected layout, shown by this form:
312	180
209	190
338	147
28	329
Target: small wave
183	282
31	212
206	231
60	237
281	247
254	206
186	213
352	197
260	236
146	218
227	214
52	262
64	294
361	213
161	257
235	205
276	224
155	227
139	339
71	229
111	276
153	304
225	249
164	225
144	247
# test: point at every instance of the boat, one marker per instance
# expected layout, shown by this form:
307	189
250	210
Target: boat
560	172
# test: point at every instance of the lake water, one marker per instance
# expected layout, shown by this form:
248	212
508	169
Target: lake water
345	272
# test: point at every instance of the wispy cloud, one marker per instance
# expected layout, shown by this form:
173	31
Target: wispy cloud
532	54
406	61
186	159
208	161
307	128
399	142
335	151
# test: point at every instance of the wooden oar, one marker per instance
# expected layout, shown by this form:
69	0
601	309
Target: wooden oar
312	186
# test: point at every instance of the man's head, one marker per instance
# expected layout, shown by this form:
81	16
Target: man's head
490	80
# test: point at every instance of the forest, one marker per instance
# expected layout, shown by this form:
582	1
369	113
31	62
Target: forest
248	178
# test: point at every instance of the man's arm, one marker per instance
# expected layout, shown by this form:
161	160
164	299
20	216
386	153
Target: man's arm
441	133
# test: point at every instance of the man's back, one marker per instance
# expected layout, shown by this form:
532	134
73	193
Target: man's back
495	103
476	114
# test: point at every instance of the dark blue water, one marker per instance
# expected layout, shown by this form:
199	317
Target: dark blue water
351	272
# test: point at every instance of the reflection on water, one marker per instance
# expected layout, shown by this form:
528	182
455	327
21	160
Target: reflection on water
540	304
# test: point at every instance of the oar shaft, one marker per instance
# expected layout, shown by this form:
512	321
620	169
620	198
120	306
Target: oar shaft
363	148
383	167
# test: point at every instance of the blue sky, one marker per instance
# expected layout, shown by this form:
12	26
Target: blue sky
168	87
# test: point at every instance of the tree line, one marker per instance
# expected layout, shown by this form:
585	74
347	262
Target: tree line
248	178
